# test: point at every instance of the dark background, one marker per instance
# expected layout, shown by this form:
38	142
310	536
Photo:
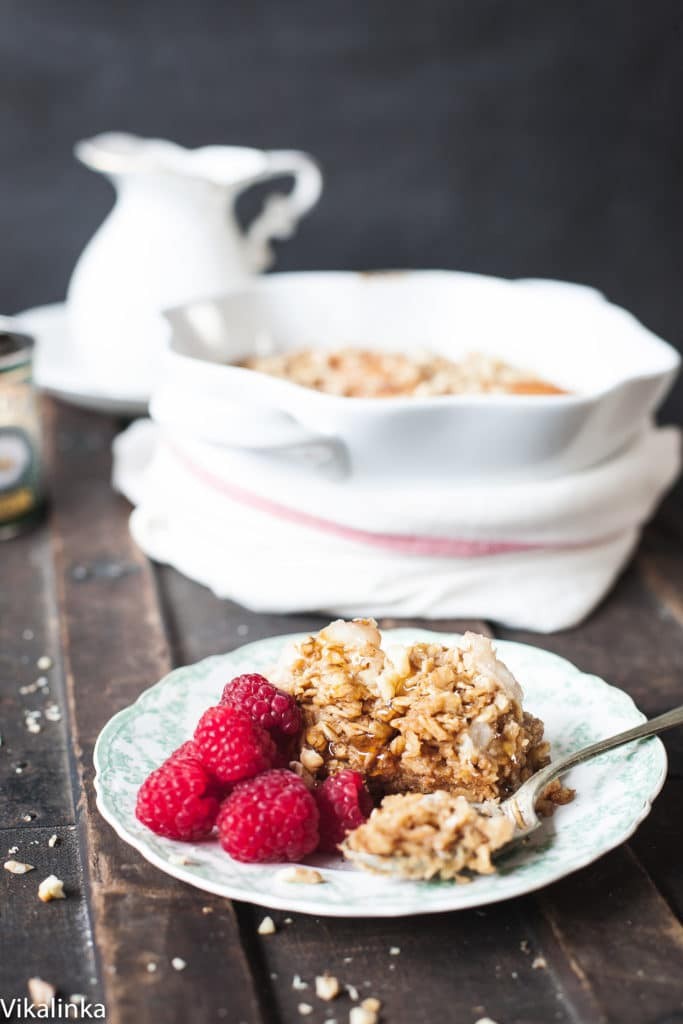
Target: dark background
514	137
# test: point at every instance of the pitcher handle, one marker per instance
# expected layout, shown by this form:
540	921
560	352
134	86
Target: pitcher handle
281	213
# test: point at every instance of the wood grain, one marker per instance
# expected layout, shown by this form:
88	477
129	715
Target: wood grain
34	767
52	941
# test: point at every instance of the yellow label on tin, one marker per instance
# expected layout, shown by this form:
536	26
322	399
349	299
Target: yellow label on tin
16	503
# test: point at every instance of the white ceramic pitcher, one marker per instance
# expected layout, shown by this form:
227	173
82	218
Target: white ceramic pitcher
171	237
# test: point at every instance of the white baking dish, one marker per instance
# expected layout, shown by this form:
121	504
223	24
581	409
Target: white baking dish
617	370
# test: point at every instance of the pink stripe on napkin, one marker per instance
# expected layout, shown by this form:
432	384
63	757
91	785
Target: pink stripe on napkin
399	543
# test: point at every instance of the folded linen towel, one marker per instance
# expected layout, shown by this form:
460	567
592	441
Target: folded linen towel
276	538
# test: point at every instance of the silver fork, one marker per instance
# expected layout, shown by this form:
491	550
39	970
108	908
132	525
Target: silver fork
521	807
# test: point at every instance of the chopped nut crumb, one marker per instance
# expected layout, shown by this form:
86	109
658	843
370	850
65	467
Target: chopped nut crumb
348	959
394	950
311	759
300	875
15	867
44	663
27	817
288	920
298	983
539	963
304	1009
41	993
151	967
207	910
180	859
353	992
178	964
51	888
267	926
359	1015
326	987
485	1020
53	713
372	1004
524	945
12	850
53	840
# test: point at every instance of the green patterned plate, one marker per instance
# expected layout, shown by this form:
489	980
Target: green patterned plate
614	792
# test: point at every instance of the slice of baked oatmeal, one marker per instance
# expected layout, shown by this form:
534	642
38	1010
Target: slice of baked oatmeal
428	717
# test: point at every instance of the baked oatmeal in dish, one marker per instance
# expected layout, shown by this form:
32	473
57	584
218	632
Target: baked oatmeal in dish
428	835
366	373
418	719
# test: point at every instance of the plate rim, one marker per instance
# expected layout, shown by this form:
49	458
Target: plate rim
272	901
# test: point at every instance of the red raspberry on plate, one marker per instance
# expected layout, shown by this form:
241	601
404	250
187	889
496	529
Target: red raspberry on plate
343	804
231	745
274	709
178	801
189	749
270	818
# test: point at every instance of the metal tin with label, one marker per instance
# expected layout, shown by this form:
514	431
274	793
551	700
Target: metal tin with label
21	488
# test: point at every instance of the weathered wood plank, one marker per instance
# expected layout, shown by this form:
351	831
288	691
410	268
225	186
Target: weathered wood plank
34	769
659	841
459	966
635	641
52	940
621	937
114	646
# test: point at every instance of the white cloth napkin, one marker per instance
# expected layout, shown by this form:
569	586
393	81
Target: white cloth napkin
275	538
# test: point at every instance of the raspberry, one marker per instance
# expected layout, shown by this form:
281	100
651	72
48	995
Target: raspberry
264	703
270	818
232	746
186	750
189	751
343	804
178	801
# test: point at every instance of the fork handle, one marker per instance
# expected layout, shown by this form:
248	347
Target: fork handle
650	728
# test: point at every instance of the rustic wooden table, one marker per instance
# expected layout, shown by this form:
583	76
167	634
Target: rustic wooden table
77	590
